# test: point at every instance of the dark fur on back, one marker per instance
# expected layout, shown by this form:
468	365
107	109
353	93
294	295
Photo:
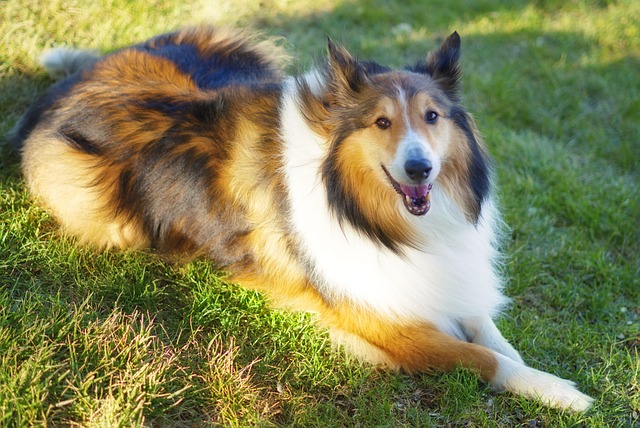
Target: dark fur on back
212	66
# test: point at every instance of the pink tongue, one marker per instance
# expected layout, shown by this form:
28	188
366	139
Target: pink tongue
415	191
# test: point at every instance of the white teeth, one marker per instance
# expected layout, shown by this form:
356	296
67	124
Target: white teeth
407	199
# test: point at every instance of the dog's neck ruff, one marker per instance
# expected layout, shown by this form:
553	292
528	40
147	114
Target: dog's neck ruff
345	264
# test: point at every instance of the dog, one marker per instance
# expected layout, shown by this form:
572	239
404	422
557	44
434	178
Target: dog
356	191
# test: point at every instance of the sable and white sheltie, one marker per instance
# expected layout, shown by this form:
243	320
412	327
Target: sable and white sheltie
356	191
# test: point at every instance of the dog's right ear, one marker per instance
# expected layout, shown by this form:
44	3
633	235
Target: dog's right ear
344	71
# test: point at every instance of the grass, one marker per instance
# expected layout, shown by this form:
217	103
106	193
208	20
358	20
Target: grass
122	339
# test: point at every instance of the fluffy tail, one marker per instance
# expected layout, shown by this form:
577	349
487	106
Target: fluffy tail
63	62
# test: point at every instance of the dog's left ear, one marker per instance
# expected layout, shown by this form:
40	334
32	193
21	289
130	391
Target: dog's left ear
443	66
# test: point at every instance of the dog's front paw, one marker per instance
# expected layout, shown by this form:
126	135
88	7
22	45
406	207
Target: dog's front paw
549	389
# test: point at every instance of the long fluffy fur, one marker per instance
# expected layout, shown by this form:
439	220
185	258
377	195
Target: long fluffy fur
355	191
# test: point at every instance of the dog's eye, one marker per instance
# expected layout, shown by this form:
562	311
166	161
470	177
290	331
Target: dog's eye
383	123
431	116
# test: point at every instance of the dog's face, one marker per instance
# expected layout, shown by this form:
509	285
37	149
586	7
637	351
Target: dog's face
403	139
395	135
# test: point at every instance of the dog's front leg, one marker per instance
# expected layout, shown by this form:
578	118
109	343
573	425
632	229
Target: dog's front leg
483	331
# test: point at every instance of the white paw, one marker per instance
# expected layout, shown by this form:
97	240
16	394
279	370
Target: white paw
532	383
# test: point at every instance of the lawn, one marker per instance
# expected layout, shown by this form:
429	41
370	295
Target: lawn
124	339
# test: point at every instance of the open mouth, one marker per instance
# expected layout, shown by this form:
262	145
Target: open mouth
415	197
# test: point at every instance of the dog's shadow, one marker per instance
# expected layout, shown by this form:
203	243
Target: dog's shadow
19	91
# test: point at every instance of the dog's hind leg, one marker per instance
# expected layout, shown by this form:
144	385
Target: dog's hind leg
78	192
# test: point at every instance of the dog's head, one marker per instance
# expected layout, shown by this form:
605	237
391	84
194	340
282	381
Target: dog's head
395	135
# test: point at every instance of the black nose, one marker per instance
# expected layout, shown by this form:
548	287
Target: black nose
417	169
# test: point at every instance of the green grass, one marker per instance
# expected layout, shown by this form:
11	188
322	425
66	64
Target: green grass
123	339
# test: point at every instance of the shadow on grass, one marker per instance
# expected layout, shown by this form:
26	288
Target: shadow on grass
18	92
